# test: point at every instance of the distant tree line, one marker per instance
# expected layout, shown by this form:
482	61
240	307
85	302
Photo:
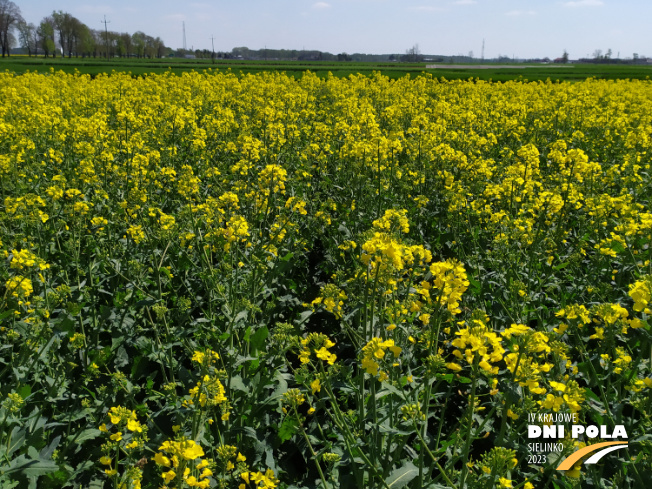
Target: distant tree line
63	33
268	54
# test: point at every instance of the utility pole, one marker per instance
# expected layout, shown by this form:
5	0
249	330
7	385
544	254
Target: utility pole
106	35
213	45
184	35
482	49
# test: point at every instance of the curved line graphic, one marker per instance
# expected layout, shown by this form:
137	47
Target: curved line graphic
568	463
595	458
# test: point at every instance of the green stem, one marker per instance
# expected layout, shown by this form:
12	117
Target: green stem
338	418
587	360
310	447
434	459
467	445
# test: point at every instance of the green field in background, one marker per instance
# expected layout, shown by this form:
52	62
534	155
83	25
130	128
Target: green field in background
94	66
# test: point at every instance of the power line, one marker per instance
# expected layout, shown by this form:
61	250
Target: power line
106	35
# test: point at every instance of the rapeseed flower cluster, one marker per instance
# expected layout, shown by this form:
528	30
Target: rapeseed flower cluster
477	344
209	390
528	360
317	344
373	355
126	434
393	221
641	293
266	480
26	259
569	395
19	286
450	283
332	299
181	460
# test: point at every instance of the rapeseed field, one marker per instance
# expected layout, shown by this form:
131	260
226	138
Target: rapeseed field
256	281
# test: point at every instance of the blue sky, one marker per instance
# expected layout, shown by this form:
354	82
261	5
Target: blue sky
520	28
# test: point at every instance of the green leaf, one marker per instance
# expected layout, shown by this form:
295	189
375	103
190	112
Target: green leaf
17	438
47	452
31	468
402	476
281	388
388	389
303	317
446	377
287	429
87	434
241	317
258	338
591	395
560	266
144	303
74	308
237	384
384	428
5	314
476	286
25	391
167	272
121	358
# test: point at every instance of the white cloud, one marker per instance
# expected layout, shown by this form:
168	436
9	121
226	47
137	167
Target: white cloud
584	3
321	5
465	2
520	13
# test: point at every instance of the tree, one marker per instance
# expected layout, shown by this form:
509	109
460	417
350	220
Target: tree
413	54
564	57
138	40
85	41
9	18
241	51
99	42
70	29
160	47
150	47
113	39
27	37
45	33
78	28
126	45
